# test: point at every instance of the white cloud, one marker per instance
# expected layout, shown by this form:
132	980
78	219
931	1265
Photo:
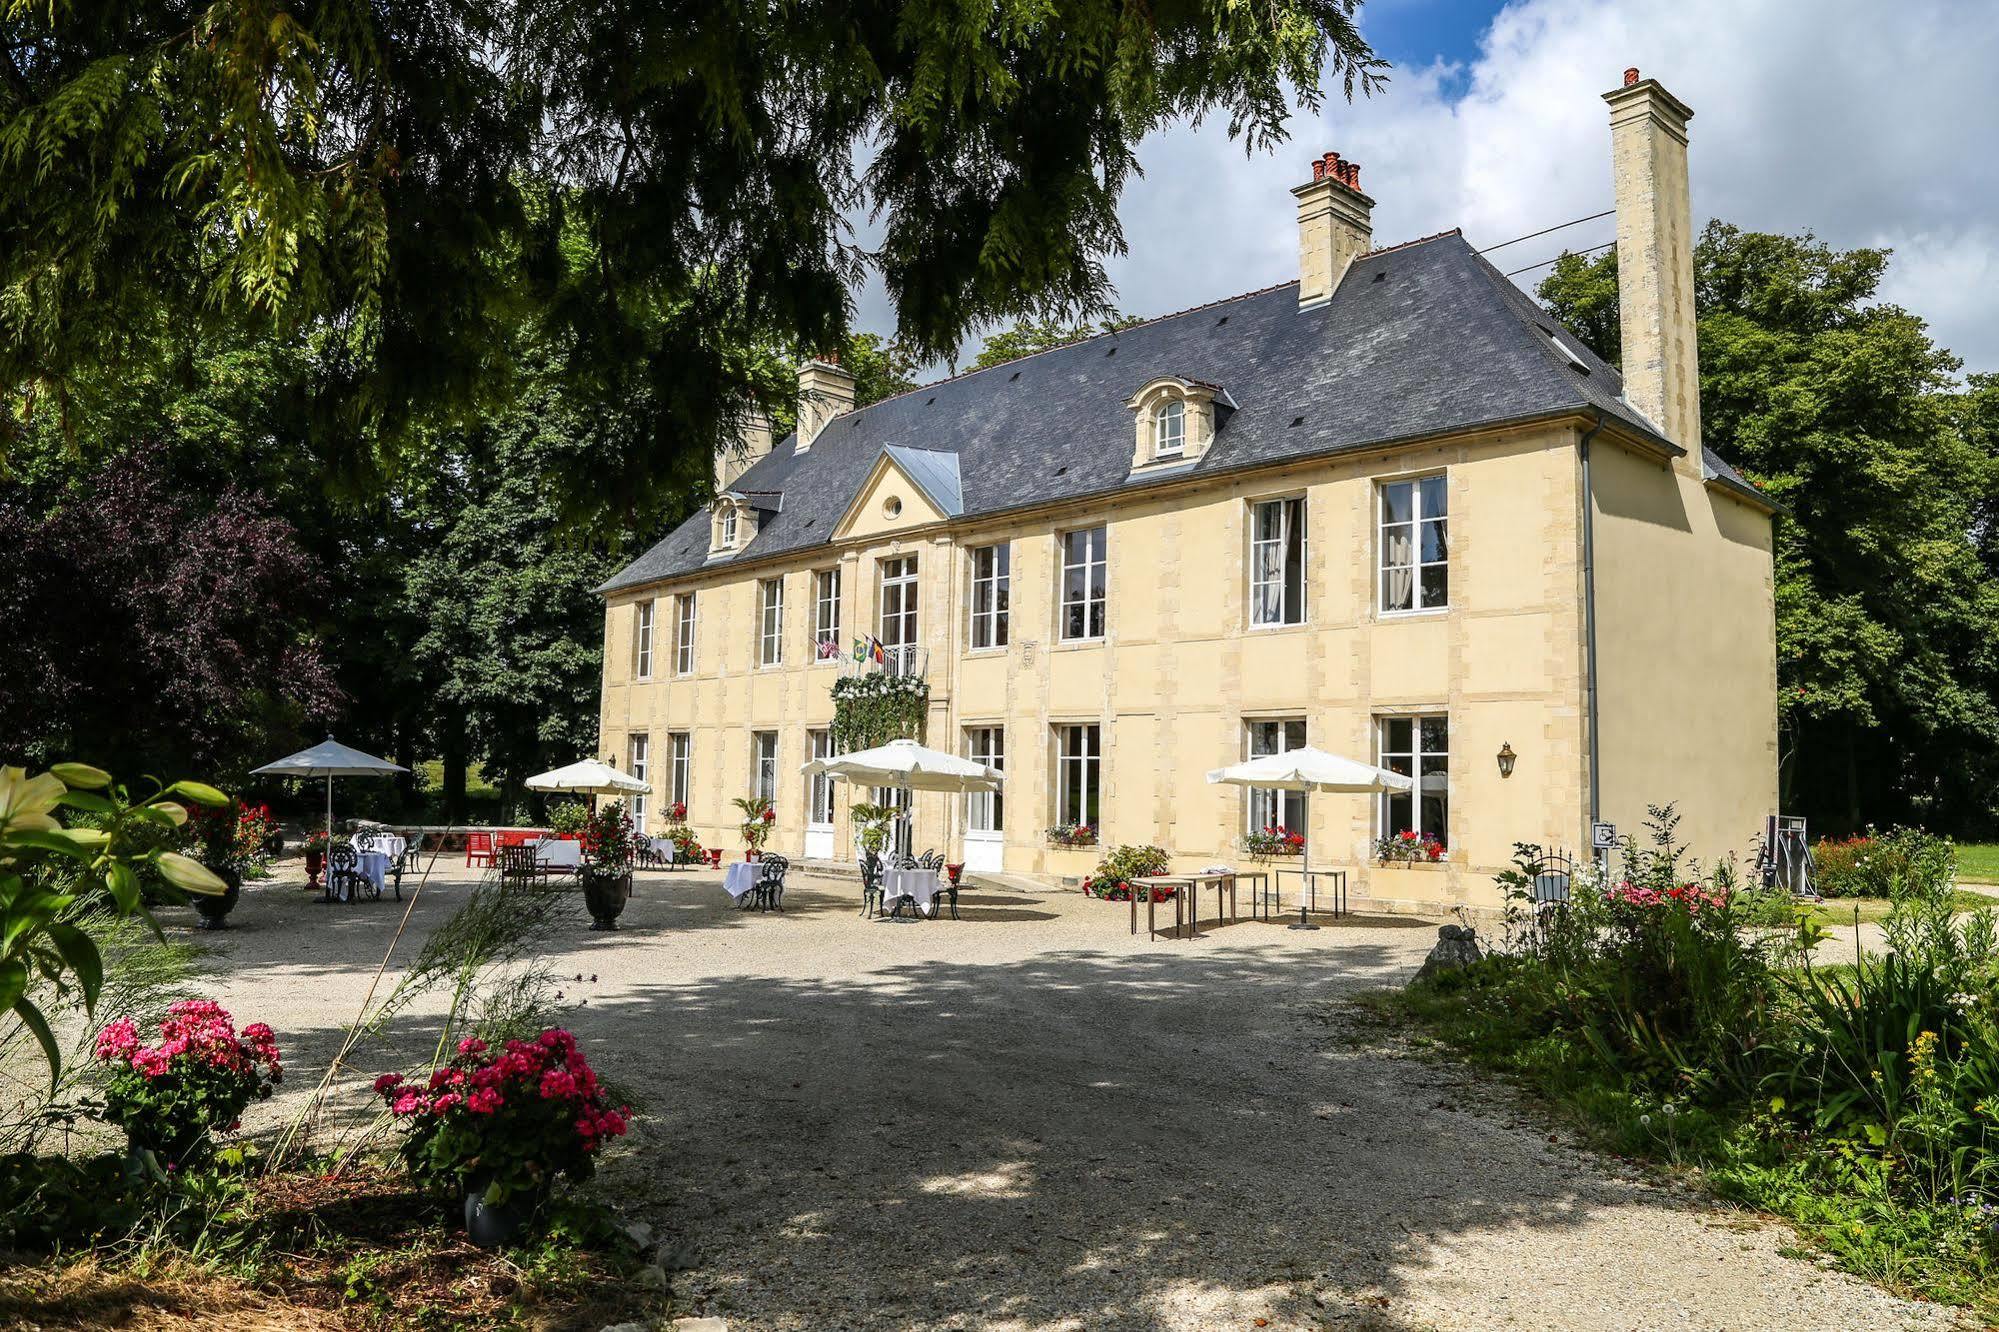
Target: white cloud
1868	124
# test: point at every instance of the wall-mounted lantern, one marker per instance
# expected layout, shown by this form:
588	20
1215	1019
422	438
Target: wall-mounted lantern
1506	757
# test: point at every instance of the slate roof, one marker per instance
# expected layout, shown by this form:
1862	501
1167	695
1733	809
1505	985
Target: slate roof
935	474
1420	339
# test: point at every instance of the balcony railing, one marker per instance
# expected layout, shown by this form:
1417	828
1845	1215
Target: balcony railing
896	659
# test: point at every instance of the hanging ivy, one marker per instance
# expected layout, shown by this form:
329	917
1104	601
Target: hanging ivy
873	709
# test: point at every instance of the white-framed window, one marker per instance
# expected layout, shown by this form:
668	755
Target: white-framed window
1415	545
683	634
763	752
819	797
642	640
1418	747
1169	429
1275	809
680	747
1079	775
897	627
985	811
992	576
826	614
1085	583
1277	562
638	752
771	615
729	527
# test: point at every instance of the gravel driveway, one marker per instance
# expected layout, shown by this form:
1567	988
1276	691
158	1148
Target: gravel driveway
1029	1119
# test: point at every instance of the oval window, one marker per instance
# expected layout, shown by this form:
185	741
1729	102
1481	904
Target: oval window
892	506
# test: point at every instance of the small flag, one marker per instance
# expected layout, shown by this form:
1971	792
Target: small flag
860	650
881	656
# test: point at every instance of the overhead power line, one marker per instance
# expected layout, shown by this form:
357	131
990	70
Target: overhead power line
1546	230
1545	262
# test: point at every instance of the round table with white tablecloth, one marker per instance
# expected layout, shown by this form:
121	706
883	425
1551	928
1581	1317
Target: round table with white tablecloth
372	866
740	880
558	854
919	885
389	844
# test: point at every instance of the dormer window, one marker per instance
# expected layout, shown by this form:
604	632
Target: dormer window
1176	420
734	525
729	528
1169	429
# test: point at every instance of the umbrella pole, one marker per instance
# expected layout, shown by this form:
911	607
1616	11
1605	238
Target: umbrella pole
329	809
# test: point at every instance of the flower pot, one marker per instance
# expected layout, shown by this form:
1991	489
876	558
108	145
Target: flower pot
750	854
315	861
212	910
496	1225
605	895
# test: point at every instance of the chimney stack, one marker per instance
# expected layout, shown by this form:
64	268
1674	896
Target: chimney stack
1335	226
752	442
1655	259
824	392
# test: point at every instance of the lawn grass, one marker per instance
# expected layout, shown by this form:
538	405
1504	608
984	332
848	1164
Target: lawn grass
1978	861
1840	910
477	788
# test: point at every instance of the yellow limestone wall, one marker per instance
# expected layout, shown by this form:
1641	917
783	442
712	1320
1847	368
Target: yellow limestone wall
1687	652
1180	671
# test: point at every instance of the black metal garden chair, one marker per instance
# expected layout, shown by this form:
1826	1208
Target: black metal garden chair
344	880
770	882
871	883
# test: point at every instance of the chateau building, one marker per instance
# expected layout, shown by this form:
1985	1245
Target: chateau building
1390	509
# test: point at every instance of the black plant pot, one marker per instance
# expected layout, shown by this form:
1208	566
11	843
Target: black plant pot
212	910
495	1226
605	895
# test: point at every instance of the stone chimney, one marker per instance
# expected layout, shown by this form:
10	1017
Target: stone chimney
1335	226
824	392
752	442
1655	259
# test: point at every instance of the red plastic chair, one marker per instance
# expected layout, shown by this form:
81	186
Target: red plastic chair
478	848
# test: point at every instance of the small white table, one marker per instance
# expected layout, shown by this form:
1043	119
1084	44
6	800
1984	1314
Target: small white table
373	866
740	880
553	853
388	844
919	885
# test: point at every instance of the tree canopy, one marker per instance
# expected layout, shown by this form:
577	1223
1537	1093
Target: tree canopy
1847	412
643	194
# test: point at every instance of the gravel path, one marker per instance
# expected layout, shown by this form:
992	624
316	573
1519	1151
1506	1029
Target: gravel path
1029	1119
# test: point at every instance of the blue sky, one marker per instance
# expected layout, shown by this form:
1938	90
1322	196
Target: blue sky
1809	115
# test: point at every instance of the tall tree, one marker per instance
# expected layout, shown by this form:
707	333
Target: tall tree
1039	335
407	179
1849	414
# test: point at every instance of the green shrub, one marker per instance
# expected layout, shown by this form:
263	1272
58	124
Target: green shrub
1875	864
1114	873
568	817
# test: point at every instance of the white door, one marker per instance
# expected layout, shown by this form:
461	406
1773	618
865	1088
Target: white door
985	811
819	817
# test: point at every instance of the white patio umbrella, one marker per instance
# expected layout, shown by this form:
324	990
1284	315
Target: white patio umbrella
329	760
906	764
1310	769
588	777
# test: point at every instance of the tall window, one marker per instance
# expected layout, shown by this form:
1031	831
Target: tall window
1085	578
683	634
826	614
1169	430
1418	747
764	752
1277	562
682	747
992	572
637	753
1276	808
1415	545
1079	775
986	810
819	798
729	528
772	592
898	608
642	640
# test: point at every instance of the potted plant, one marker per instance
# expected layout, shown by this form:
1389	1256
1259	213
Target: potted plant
871	825
1111	880
216	838
1408	847
500	1126
317	843
170	1097
568	819
1271	841
1072	834
609	844
758	819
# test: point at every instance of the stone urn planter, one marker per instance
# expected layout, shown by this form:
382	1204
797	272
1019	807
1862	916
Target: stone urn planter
496	1225
214	910
315	862
605	894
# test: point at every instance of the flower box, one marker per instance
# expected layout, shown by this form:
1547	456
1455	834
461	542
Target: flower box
1072	835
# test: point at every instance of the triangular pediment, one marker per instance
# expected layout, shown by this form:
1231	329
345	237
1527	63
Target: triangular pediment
905	488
